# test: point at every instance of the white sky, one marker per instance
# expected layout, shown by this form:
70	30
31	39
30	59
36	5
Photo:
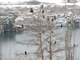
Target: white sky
56	1
51	1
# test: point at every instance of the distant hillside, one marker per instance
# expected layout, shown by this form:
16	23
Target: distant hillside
33	2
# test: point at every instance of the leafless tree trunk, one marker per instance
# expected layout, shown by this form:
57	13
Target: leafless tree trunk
68	45
50	43
41	47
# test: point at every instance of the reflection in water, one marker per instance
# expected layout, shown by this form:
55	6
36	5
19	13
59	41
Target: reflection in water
8	36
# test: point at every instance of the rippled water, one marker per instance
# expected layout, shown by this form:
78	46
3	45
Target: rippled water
8	45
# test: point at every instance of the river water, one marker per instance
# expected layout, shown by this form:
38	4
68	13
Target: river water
9	47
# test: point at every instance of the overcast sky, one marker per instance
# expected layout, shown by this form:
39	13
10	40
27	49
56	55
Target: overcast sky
51	1
56	1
